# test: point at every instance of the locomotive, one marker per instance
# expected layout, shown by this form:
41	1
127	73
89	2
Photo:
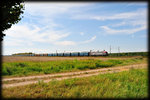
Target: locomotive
91	53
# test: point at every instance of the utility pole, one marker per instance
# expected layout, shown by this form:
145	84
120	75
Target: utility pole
110	49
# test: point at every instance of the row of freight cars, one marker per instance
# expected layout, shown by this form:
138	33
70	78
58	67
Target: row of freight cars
97	53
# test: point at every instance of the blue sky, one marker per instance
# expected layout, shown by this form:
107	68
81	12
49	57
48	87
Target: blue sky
83	26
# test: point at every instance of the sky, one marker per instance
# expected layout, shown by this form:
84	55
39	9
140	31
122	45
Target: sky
47	27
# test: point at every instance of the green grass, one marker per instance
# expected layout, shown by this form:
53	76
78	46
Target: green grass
127	84
33	68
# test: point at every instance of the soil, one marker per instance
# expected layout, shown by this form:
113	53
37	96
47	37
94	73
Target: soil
40	58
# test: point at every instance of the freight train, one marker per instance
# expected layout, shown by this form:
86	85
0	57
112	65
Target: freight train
96	53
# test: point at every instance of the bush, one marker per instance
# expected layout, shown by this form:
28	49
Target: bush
4	71
38	69
21	64
28	68
104	64
115	62
81	66
92	66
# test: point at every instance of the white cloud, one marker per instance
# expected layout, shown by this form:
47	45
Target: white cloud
116	16
52	9
13	42
72	43
133	22
137	20
88	41
43	14
46	13
41	24
119	24
108	30
23	34
140	13
82	33
126	15
20	35
65	43
137	4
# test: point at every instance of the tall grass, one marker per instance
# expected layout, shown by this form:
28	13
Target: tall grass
32	68
127	84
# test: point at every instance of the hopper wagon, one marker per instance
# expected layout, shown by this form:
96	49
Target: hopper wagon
67	54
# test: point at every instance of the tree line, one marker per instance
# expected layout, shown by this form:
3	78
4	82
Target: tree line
130	54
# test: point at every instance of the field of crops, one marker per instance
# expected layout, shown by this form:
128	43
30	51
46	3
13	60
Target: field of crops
127	84
45	59
48	67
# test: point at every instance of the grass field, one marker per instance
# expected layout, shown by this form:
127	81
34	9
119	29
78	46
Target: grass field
127	84
33	68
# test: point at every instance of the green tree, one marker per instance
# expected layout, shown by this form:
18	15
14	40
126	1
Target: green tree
11	11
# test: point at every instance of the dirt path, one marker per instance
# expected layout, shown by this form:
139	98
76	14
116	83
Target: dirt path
20	81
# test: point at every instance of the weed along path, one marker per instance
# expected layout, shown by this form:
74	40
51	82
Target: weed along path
21	81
